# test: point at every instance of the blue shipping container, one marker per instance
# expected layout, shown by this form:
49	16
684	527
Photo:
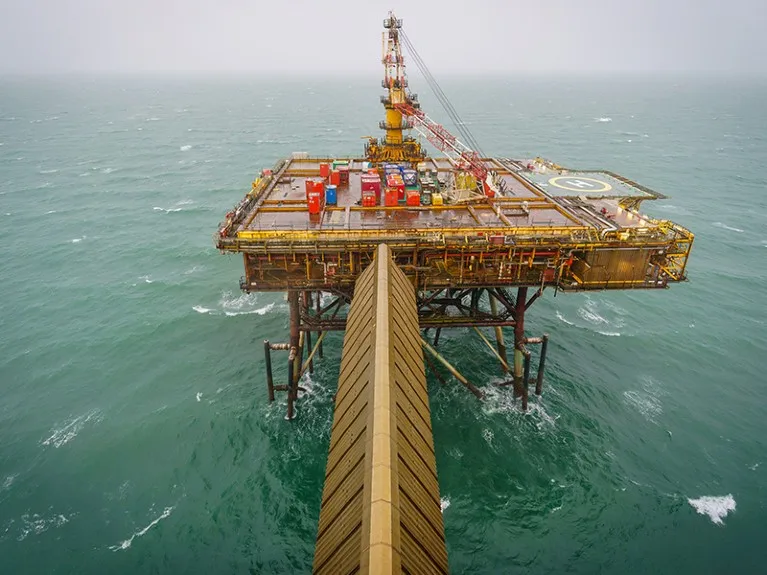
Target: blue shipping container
331	195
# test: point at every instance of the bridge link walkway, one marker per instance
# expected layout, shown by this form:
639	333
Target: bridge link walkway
380	503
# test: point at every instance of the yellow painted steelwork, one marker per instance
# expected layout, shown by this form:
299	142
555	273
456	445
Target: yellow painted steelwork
380	503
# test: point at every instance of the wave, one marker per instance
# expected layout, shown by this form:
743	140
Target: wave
185	148
166	210
127	543
260	311
562	318
200	309
717	508
646	404
444	503
50	212
11	478
603	119
726	227
78	240
37	524
48	171
591	316
70	429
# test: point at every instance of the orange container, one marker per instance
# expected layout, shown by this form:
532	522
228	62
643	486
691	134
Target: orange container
335	178
391	197
413	198
373	171
309	187
324	170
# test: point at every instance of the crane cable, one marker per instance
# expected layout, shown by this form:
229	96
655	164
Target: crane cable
441	96
439	93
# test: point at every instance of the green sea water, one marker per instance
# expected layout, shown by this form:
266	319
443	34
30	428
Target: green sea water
135	432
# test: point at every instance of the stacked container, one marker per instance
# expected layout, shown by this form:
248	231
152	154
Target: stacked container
369	199
396	181
335	178
426	197
391	197
331	195
315	185
343	172
324	170
316	202
370	182
410	177
413	198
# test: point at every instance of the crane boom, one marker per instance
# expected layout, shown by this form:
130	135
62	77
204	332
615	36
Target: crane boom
403	111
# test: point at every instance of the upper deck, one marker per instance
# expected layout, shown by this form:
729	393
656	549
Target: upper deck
531	199
541	205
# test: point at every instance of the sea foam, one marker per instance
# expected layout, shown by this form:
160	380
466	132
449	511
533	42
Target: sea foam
71	428
717	508
726	227
127	543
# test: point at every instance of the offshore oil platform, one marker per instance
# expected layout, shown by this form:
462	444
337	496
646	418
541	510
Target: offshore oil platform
393	244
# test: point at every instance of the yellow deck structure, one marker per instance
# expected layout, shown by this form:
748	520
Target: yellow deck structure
380	503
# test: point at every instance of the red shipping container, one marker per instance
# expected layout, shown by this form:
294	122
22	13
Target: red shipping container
396	181
324	170
369	200
335	178
343	172
413	198
392	197
314	185
315	202
371	183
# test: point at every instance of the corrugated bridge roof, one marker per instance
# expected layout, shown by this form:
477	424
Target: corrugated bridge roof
380	503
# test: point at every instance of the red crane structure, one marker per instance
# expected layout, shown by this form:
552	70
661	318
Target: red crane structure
460	155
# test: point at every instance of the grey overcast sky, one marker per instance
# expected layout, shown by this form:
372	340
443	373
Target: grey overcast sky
344	35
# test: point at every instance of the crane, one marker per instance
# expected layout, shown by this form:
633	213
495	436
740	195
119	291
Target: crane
404	110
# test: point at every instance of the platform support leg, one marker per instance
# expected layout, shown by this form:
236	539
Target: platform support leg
541	364
319	335
499	334
519	347
307	305
436	336
293	368
269	378
309	348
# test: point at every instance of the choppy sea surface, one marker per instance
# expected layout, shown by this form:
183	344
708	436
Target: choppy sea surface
135	432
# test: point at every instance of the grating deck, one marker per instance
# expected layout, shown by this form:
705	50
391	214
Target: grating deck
380	502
